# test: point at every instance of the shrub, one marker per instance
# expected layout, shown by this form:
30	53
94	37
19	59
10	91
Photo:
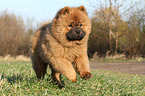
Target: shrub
14	39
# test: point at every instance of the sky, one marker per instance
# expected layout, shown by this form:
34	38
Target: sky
42	10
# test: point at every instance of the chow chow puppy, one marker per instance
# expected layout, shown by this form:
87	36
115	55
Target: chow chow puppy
62	44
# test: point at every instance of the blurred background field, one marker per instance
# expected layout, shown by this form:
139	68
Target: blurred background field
118	29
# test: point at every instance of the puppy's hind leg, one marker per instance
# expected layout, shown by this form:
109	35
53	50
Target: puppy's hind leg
39	67
56	77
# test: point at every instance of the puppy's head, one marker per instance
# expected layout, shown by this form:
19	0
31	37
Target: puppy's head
71	26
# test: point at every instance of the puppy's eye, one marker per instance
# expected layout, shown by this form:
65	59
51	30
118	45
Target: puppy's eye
70	25
81	25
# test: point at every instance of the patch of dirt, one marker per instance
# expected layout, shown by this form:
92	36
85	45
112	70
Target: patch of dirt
132	67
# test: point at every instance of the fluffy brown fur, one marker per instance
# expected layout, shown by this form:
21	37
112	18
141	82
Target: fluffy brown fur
61	43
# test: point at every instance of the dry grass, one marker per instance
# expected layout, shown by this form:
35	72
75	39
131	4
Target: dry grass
17	58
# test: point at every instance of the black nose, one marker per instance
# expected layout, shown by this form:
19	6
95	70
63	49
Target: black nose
77	31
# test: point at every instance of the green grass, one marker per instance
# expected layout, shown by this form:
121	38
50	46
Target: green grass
18	78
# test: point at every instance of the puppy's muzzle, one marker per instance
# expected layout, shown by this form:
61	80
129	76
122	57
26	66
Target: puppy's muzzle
76	33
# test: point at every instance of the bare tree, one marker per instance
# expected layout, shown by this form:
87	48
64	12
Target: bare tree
110	10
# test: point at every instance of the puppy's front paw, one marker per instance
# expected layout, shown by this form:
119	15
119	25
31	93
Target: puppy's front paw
86	75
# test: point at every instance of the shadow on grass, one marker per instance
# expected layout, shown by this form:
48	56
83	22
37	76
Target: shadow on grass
16	78
12	79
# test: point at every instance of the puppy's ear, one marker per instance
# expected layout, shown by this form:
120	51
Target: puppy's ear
82	8
64	11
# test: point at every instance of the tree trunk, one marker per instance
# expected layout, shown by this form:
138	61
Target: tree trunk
110	39
116	45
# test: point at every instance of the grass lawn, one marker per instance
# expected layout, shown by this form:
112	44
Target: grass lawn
18	78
